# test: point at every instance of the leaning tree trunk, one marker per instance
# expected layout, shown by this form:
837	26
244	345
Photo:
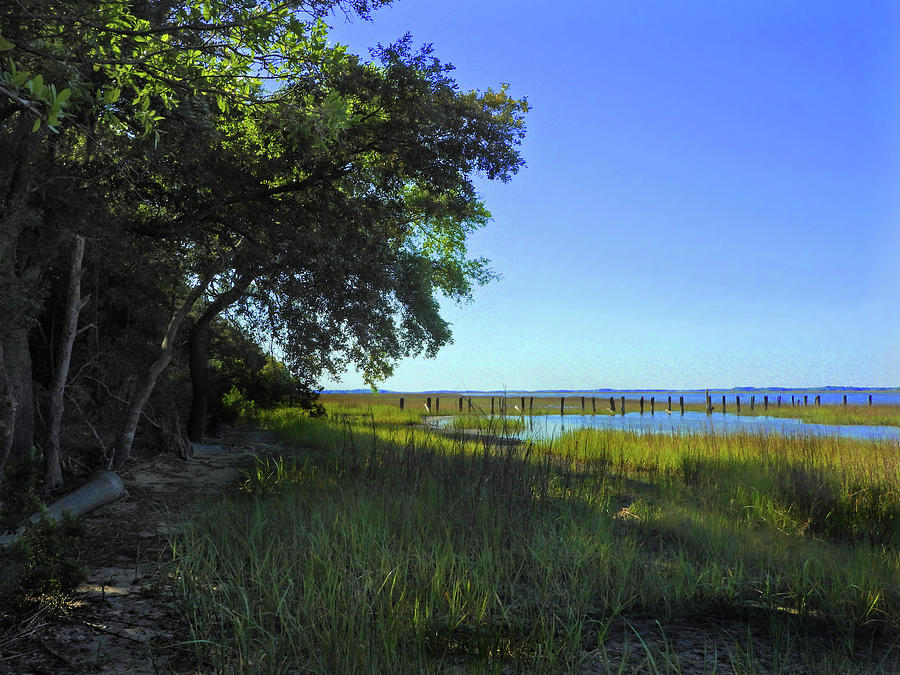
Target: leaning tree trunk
53	479
125	438
198	361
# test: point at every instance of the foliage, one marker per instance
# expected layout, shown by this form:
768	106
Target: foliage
236	403
226	159
245	378
38	567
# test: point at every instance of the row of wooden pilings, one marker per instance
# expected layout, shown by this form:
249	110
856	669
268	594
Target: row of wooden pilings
710	408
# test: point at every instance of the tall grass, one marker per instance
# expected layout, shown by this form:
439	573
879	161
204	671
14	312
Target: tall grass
415	404
878	415
383	547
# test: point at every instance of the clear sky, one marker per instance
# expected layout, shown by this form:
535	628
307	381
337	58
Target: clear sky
711	197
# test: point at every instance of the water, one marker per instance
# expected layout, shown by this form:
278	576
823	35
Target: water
550	426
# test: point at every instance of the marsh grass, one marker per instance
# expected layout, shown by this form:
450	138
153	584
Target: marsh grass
877	415
496	425
384	547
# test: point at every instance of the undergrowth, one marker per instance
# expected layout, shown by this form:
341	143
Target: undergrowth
37	569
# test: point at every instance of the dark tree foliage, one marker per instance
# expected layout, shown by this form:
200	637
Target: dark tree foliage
232	174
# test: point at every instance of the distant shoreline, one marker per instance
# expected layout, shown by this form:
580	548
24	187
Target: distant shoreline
751	390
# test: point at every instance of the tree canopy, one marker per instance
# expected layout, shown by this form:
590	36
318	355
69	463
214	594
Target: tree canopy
224	159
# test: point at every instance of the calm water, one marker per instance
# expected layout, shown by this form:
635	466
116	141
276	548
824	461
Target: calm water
549	426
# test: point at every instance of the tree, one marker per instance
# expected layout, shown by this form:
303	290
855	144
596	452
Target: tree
324	212
76	78
391	182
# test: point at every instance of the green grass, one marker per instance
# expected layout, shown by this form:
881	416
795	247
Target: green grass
880	415
382	547
481	406
497	425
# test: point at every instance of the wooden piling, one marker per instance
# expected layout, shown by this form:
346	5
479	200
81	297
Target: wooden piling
779	402
642	405
623	405
470	404
737	402
582	404
681	403
612	403
523	405
845	399
818	401
724	407
428	404
492	406
562	405
766	403
401	403
669	404
870	399
593	404
437	405
652	404
805	399
460	403
530	403
752	402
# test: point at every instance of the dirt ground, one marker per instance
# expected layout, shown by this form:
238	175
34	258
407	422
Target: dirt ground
124	617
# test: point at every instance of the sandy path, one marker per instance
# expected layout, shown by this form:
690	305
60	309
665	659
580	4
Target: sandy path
124	618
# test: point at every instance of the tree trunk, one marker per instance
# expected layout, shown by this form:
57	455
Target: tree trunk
17	359
8	406
198	364
53	479
125	438
199	357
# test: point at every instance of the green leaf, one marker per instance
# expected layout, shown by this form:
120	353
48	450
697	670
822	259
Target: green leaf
5	45
63	96
37	125
112	95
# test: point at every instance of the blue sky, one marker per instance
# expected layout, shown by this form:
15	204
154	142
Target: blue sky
711	197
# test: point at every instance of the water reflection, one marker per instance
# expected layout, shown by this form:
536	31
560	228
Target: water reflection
550	426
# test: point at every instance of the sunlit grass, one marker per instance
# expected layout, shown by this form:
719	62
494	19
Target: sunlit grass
385	547
511	405
879	415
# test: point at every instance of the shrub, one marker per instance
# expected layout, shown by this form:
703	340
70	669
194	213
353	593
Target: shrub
36	568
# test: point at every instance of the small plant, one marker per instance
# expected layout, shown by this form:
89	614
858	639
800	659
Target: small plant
36	568
239	405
